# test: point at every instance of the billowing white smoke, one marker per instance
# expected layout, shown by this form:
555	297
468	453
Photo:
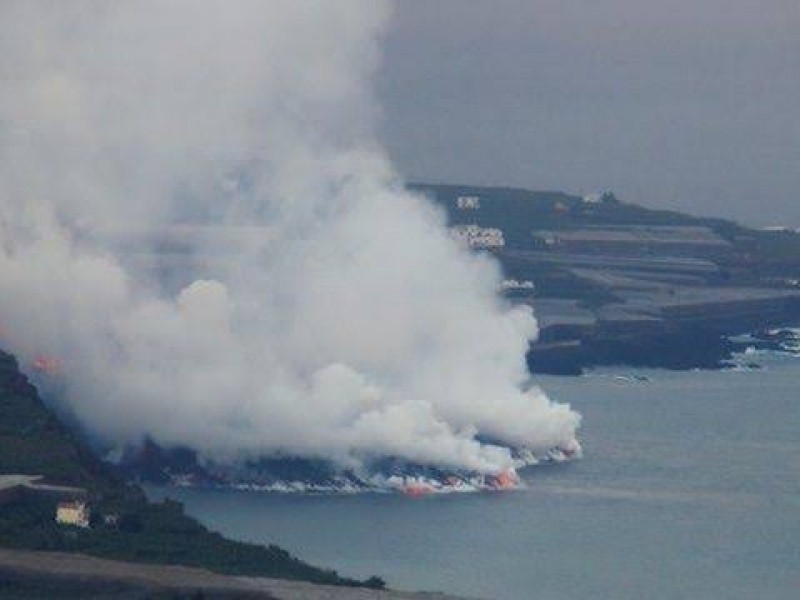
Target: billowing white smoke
347	325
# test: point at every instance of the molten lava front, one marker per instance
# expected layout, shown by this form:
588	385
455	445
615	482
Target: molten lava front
49	365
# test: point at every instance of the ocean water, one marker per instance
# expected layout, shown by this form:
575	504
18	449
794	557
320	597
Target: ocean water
689	488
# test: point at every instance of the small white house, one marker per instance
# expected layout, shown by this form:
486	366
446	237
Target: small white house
76	513
597	197
515	285
468	202
478	237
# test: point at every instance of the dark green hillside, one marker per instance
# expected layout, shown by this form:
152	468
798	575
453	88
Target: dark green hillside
33	442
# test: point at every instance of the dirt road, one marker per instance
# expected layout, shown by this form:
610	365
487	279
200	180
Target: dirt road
76	576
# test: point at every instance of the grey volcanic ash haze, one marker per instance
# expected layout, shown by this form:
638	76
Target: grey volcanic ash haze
335	319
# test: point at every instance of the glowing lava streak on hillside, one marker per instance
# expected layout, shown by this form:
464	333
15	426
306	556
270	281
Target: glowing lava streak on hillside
49	365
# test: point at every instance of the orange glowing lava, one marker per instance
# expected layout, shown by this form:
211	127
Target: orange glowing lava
506	480
415	490
50	365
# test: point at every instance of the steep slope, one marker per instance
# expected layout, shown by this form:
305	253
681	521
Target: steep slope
34	442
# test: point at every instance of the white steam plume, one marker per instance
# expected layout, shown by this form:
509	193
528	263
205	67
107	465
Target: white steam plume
335	318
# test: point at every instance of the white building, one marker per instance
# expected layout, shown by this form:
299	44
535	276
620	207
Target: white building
479	237
75	513
515	284
597	197
468	202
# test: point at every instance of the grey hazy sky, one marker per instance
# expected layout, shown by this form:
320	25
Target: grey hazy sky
689	104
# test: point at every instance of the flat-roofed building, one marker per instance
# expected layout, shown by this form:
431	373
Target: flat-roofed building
479	237
75	512
468	202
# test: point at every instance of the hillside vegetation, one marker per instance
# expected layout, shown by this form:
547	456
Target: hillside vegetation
34	442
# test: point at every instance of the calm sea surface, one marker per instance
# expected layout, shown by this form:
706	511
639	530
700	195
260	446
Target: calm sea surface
690	488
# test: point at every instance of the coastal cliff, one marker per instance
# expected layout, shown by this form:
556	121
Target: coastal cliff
617	283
